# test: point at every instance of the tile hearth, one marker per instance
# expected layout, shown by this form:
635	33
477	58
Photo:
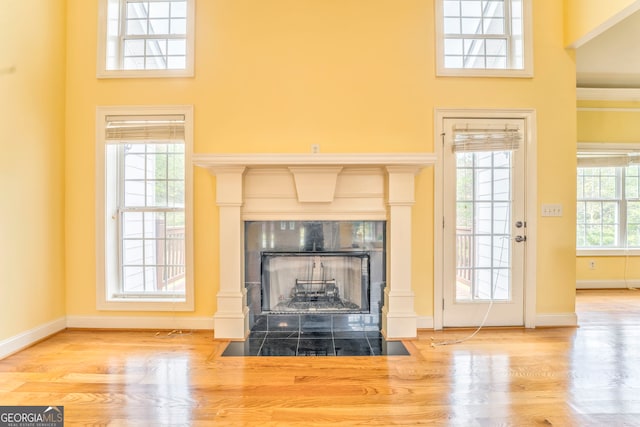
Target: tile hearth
315	335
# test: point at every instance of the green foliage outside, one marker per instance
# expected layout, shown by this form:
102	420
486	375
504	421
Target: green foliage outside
605	195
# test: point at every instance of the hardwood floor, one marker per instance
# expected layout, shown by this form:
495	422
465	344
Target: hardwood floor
586	376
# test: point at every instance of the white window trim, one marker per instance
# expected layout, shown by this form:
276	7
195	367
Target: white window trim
101	66
623	147
526	72
146	303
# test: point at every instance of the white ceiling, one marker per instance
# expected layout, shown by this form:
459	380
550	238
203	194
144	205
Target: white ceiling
611	59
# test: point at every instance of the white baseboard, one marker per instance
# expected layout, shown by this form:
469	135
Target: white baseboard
425	322
607	284
556	319
542	320
124	322
25	339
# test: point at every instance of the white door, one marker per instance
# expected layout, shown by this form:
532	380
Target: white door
484	229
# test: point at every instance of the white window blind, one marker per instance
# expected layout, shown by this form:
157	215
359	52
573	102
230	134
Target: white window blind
486	138
144	129
611	159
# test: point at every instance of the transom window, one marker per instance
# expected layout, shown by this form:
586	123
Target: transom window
150	36
483	37
608	194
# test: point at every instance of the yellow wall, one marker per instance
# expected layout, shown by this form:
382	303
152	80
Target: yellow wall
32	66
609	271
615	122
350	75
584	16
609	121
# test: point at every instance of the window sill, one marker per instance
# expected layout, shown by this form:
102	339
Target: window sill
149	304
143	74
472	72
608	252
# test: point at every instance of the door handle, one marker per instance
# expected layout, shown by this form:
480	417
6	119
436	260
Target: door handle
521	239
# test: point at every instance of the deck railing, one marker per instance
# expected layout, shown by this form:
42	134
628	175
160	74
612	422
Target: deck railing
464	254
171	258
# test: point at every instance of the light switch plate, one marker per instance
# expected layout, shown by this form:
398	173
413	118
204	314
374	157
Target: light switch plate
551	210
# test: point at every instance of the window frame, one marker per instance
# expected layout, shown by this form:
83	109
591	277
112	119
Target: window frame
621	200
525	72
107	234
101	67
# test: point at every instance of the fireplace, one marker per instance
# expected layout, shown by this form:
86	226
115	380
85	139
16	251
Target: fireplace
315	267
269	210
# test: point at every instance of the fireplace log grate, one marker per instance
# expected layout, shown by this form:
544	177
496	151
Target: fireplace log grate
299	282
315	290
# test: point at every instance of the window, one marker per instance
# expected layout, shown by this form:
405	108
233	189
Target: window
144	199
484	38
608	211
146	38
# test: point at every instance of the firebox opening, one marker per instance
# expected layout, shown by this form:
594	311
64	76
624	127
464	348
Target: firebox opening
315	267
299	282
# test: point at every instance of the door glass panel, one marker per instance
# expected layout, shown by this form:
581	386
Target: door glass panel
483	232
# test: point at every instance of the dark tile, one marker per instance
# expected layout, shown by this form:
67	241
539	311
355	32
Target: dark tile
374	334
250	347
313	322
394	348
348	322
283	322
254	335
349	335
253	347
316	335
371	322
279	347
283	334
376	346
381	347
352	347
288	344
260	323
312	334
253	297
234	349
316	347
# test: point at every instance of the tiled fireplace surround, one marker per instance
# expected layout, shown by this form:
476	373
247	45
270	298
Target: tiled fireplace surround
315	187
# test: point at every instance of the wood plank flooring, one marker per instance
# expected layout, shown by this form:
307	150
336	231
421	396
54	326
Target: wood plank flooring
586	376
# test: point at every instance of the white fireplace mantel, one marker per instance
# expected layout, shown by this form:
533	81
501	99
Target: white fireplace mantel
315	186
213	161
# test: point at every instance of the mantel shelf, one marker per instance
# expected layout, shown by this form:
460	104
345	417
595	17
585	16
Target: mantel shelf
212	161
